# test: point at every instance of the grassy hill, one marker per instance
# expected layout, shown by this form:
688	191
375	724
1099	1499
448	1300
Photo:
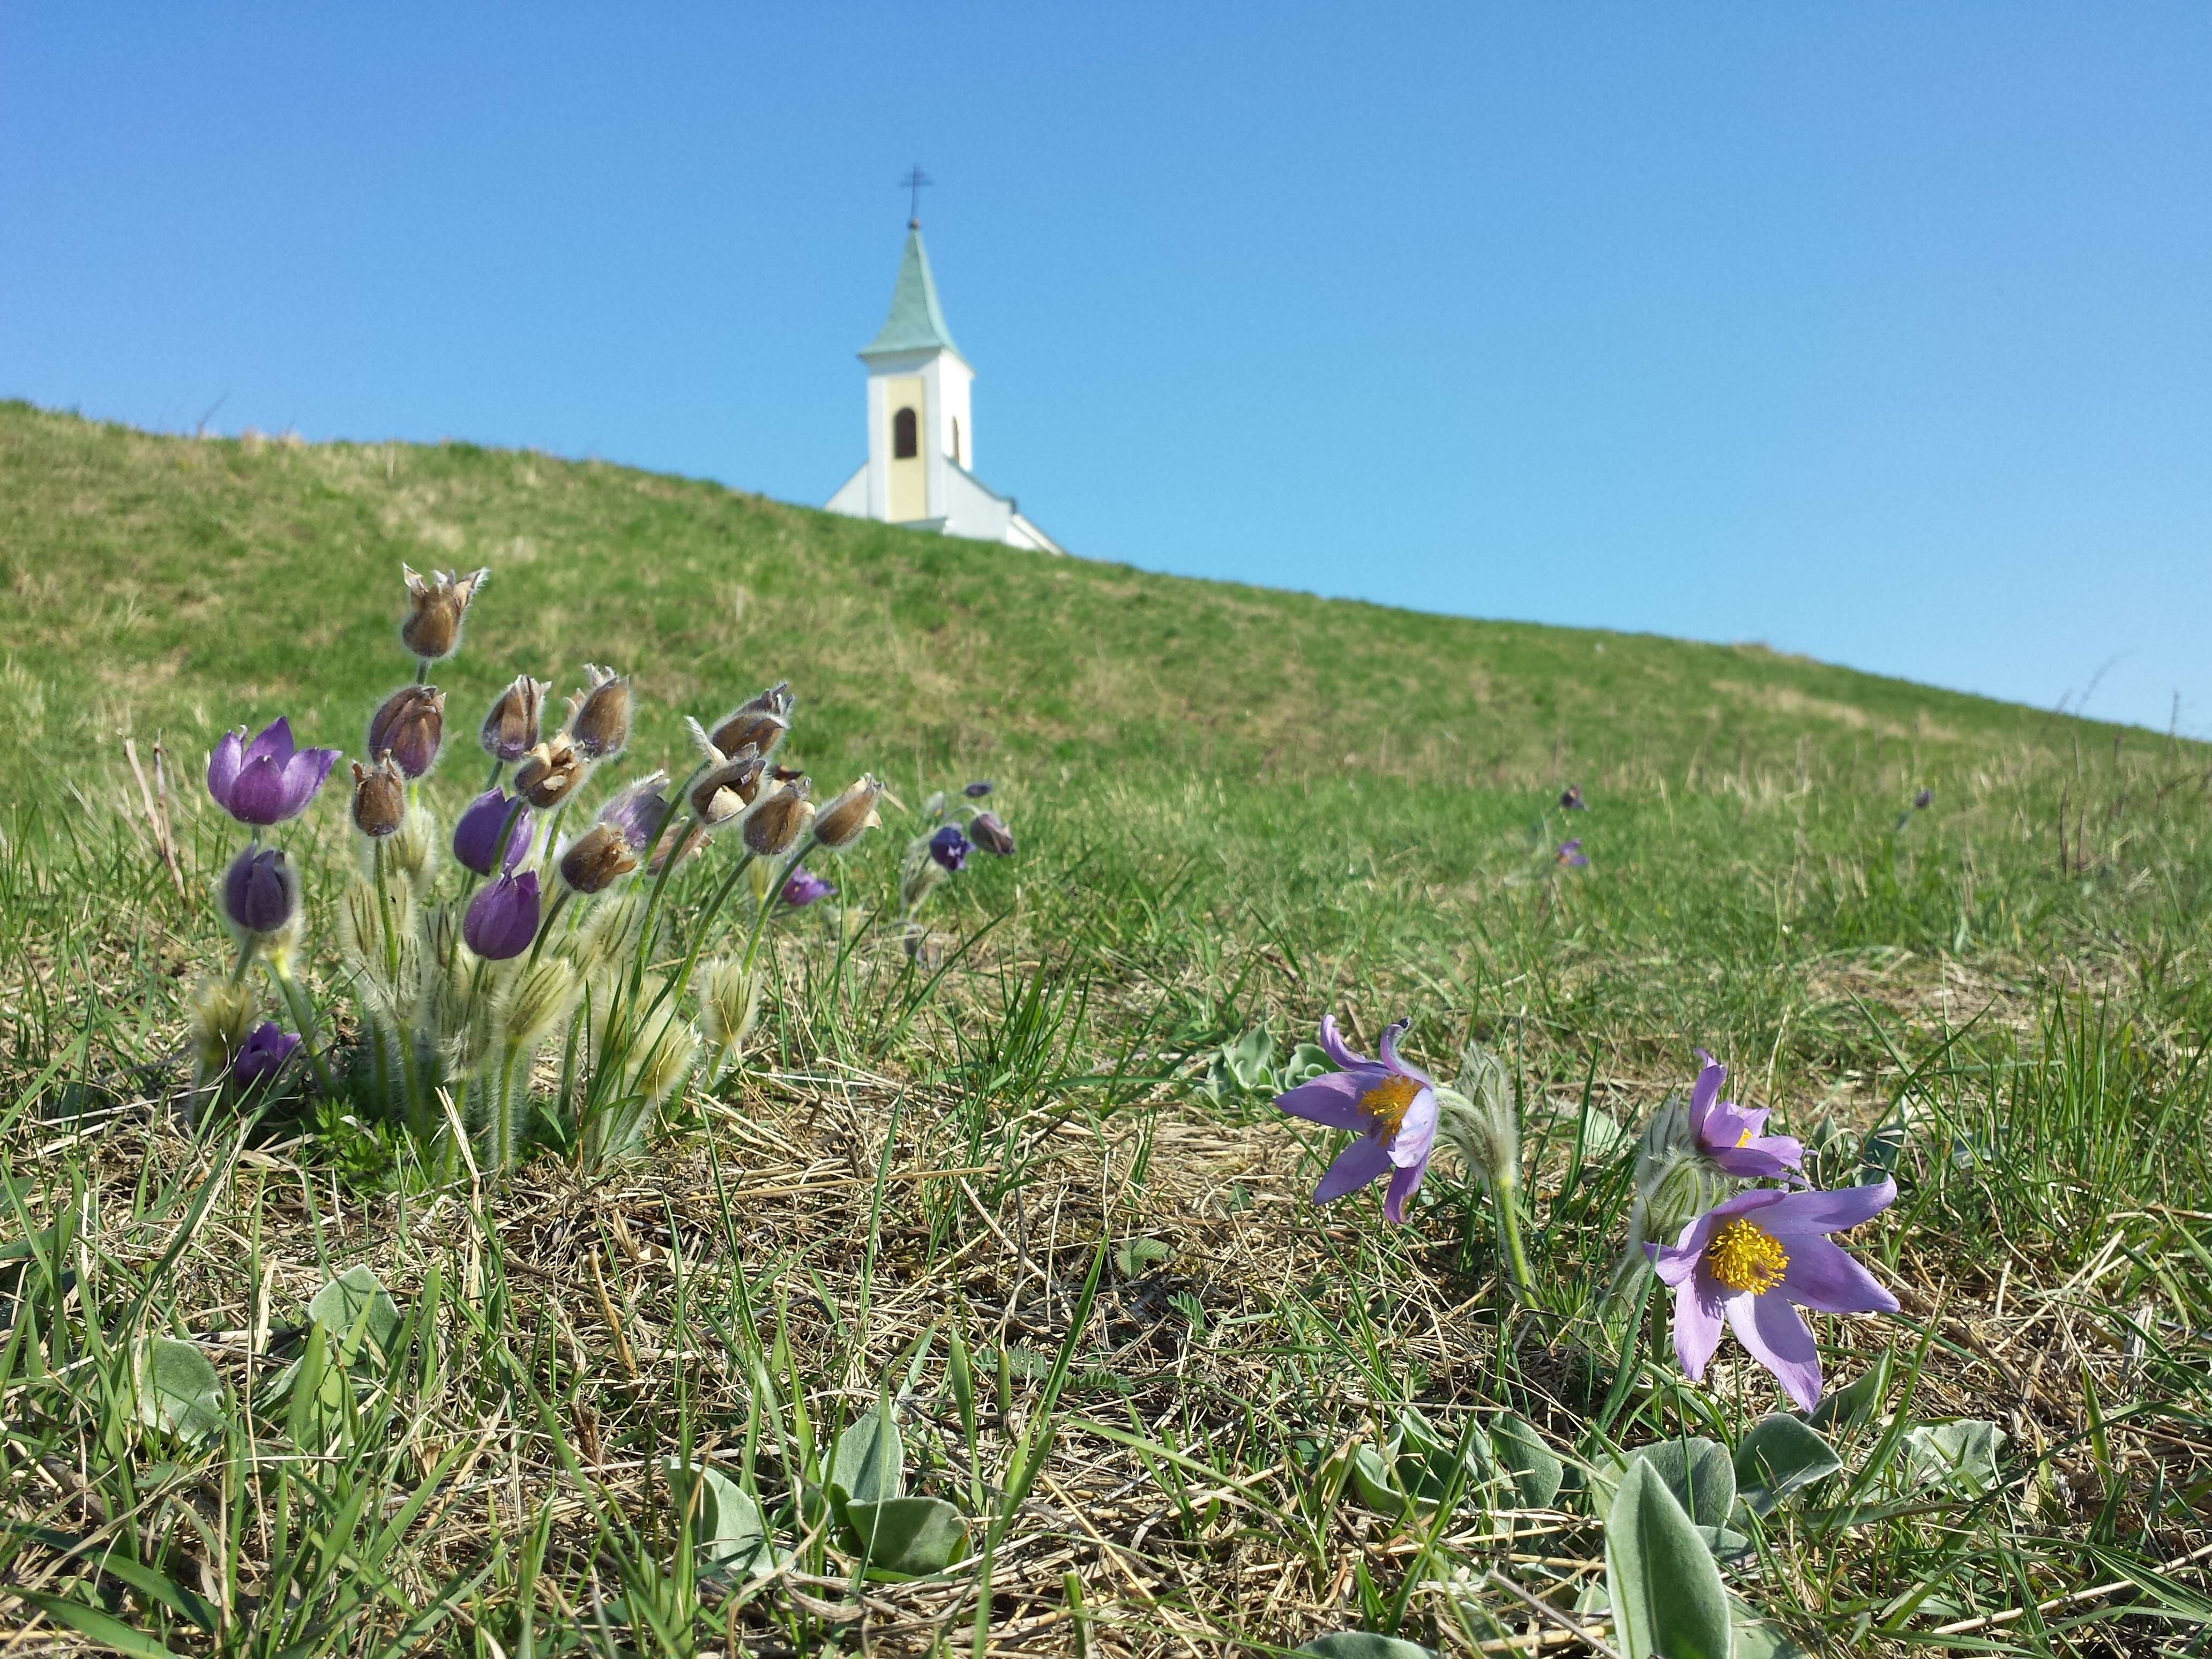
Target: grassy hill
1237	810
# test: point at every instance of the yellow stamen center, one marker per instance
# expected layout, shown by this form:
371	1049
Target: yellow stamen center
1744	1139
1744	1257
1388	1101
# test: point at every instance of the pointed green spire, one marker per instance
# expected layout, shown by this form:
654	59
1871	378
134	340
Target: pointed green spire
916	324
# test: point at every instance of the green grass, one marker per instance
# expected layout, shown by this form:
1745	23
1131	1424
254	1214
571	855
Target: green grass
1237	809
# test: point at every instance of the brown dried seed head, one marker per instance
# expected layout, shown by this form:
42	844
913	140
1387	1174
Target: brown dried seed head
435	607
549	773
597	859
409	726
761	722
600	714
852	814
778	818
380	798
510	730
727	790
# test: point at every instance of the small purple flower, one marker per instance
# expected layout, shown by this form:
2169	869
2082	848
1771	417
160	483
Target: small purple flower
1571	854
950	847
263	1055
1734	1137
502	919
638	811
1757	1259
259	892
1923	800
476	832
804	888
1390	1105
990	834
1573	801
978	789
267	781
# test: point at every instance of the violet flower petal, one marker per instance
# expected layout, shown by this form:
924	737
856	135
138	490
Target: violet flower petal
1405	1181
1332	1045
1697	1326
1776	1336
222	767
257	794
1355	1166
1824	1277
273	741
1826	1212
1332	1100
1391	1036
1417	1133
1758	1161
304	775
1705	1092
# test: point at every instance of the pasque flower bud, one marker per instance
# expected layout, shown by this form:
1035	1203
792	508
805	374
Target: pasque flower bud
851	815
435	609
492	817
502	919
778	819
409	726
380	798
600	714
259	892
549	773
597	859
760	723
989	833
510	730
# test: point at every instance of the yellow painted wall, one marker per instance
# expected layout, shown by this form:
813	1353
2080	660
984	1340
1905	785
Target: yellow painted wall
909	479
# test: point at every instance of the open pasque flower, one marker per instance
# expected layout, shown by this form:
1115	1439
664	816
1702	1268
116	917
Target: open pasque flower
1734	1137
804	888
263	1055
1754	1259
267	781
1389	1104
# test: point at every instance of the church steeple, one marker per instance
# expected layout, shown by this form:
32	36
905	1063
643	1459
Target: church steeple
915	323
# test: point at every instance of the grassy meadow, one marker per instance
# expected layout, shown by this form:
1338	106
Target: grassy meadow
1020	1191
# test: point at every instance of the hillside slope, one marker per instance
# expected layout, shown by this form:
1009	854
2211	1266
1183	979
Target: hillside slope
196	584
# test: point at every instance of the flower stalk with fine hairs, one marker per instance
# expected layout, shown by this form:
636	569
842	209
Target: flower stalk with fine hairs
1478	1118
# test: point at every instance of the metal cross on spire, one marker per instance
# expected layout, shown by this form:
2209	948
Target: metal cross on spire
914	182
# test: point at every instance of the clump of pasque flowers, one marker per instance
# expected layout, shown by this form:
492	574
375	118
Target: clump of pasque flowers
509	972
1749	1257
955	828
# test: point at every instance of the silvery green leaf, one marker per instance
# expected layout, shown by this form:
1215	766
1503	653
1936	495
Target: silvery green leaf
1251	1058
868	1462
1958	1457
1856	1405
732	1532
902	1538
1698	1472
1429	1464
1780	1455
1664	1584
1371	1476
1307	1061
1757	1637
356	1303
1534	1470
178	1390
1365	1644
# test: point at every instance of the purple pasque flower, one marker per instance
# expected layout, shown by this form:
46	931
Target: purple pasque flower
262	1054
267	781
476	832
1756	1259
1734	1138
259	892
1571	854
950	846
1571	799
804	888
502	919
1390	1105
978	789
637	813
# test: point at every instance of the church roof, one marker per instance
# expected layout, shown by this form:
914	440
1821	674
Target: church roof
915	323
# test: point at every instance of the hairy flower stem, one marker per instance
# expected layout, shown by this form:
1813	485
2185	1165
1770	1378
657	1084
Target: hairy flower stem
303	1016
1506	1200
244	958
498	766
545	927
773	898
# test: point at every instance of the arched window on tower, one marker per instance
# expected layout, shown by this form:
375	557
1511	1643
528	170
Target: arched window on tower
906	435
956	461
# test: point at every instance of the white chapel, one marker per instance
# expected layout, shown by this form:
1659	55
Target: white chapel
922	432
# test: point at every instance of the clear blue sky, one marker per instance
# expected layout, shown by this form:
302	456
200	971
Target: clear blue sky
1879	333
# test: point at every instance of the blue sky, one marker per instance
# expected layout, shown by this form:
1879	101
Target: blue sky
1878	333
